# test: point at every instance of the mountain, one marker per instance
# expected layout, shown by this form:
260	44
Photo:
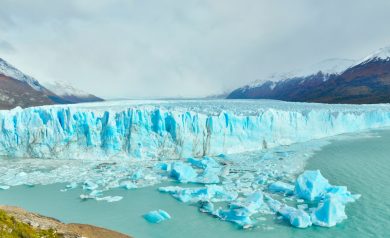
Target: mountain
69	94
331	81
19	89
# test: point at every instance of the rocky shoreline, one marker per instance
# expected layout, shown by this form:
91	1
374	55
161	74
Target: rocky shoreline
72	230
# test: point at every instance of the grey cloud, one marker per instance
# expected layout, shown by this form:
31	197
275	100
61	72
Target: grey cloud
6	47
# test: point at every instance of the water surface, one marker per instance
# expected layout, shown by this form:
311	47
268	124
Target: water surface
361	163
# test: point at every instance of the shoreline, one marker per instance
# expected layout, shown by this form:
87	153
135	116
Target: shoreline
64	230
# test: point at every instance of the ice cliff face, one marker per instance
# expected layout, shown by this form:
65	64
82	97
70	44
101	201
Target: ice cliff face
153	130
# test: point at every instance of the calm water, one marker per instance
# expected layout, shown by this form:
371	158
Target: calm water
363	164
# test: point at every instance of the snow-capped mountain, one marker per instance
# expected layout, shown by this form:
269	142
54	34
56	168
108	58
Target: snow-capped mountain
326	68
70	93
382	54
19	89
330	81
8	70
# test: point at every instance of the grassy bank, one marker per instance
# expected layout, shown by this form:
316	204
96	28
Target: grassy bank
12	228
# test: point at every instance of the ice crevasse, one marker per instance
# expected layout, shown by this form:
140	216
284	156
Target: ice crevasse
172	130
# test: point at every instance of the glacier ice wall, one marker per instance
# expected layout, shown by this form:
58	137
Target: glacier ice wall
175	129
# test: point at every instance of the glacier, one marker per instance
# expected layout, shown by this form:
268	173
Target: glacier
234	160
166	129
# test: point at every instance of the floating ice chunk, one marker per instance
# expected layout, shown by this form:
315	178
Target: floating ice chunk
311	185
212	193
86	197
4	187
207	207
109	198
252	203
209	176
71	185
205	162
281	187
164	166
262	179
211	170
92	195
296	217
273	204
329	213
239	216
157	216
240	212
170	189
127	185
302	206
342	194
183	172
137	175
89	185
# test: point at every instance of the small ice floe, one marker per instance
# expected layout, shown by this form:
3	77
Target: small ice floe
137	175
4	187
89	185
109	198
240	216
92	195
212	193
281	187
296	217
127	185
183	172
206	207
240	212
157	216
72	185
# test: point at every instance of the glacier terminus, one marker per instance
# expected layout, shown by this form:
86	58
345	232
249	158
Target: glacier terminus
234	160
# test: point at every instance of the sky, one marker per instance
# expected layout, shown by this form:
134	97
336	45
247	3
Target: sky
176	48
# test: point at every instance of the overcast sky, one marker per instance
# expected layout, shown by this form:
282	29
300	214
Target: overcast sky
163	48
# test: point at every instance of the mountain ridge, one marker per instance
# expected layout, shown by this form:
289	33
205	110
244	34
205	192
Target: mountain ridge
19	89
364	81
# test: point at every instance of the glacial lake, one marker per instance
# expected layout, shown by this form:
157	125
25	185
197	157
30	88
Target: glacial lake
361	162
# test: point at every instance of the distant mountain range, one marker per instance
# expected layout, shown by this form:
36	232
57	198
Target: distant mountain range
331	81
19	89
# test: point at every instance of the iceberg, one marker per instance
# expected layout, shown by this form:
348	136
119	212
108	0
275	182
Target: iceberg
329	213
311	185
180	129
183	172
157	216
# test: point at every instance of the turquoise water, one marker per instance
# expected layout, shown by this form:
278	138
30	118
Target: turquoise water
362	163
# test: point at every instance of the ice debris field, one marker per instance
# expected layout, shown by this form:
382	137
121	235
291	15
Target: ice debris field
235	160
